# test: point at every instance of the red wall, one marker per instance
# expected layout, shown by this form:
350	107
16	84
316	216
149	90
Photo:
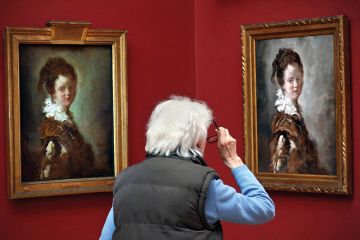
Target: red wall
219	82
172	52
160	63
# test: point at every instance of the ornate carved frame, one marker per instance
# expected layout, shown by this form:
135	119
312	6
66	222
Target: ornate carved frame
341	182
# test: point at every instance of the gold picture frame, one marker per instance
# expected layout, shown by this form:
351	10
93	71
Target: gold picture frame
97	116
322	44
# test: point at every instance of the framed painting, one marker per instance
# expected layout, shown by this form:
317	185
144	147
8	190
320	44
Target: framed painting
66	109
297	114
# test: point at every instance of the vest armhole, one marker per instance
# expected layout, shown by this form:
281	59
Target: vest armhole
202	199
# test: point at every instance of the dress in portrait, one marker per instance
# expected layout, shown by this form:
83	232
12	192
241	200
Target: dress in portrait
291	149
64	153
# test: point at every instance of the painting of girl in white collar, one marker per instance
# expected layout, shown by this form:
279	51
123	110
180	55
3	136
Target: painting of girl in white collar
291	149
64	153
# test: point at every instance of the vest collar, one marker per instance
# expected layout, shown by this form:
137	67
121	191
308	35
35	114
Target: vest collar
196	160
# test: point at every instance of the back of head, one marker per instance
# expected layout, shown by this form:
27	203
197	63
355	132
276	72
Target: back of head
175	127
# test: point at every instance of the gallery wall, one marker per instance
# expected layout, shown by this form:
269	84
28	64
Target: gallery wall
160	62
186	47
219	82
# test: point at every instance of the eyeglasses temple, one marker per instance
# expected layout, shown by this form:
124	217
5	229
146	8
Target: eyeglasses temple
216	126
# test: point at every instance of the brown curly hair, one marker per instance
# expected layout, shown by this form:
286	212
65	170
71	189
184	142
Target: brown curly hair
284	57
51	71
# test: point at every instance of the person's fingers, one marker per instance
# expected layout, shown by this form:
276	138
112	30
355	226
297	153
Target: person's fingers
225	136
228	137
226	133
220	132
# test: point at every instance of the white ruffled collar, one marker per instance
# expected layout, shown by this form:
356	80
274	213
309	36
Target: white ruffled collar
53	110
284	104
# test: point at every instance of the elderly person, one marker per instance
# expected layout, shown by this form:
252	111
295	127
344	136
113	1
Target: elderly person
173	194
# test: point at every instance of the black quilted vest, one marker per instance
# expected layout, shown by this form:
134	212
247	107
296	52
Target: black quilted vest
163	198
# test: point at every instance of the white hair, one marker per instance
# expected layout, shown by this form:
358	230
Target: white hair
176	126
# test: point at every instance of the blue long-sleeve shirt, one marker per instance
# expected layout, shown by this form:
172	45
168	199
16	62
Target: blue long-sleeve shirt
252	206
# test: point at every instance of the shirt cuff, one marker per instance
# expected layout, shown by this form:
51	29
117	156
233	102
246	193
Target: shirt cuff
239	169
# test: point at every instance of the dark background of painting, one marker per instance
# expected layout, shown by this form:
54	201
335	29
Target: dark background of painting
92	107
188	47
317	99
